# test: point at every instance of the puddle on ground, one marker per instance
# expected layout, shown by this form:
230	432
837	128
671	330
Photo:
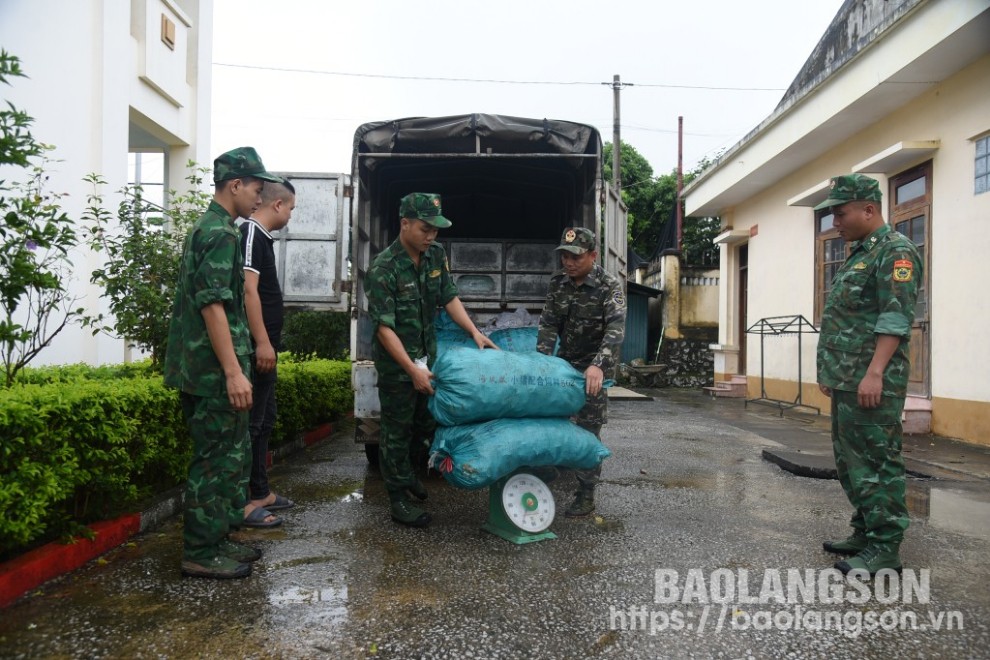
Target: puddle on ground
950	509
707	481
317	492
309	596
304	561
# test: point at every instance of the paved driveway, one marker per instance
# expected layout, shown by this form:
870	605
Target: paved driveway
693	526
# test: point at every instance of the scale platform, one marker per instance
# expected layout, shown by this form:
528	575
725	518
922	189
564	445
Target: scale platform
520	509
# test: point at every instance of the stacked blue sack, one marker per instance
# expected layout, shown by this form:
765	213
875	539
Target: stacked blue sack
502	410
472	385
484	452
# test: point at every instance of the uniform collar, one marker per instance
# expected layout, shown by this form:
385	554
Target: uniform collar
216	207
873	239
591	279
399	253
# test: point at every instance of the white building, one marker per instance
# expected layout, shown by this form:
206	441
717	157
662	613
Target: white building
898	90
110	80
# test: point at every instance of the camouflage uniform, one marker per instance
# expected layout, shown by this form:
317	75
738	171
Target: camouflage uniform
405	298
212	270
590	322
873	293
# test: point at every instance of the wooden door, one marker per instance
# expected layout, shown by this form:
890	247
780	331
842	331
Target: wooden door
910	214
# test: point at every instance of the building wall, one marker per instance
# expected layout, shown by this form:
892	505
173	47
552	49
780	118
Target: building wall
781	254
699	296
88	99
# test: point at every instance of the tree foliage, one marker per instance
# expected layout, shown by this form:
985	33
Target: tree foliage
142	248
35	239
651	202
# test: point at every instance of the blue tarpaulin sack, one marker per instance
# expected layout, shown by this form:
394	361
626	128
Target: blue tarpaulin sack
476	455
473	385
449	334
517	340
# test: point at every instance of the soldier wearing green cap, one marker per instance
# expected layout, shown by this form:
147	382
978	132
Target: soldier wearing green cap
406	284
208	360
863	365
586	310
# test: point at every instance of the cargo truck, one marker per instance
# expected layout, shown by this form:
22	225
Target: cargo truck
510	186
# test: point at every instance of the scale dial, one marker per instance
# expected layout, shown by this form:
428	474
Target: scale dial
528	503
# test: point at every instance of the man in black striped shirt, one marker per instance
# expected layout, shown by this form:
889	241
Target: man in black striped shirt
263	302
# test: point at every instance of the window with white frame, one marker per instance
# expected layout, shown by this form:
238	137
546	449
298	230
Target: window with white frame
146	170
830	253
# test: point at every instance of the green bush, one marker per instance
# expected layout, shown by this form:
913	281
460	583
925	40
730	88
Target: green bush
71	372
86	443
309	394
79	450
325	335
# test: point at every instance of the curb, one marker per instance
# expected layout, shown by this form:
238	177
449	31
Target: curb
20	575
32	569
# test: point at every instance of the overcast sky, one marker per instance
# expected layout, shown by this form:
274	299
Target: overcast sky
309	72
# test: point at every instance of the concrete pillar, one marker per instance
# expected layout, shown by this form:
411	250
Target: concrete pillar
671	270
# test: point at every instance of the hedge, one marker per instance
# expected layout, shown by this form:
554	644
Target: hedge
83	444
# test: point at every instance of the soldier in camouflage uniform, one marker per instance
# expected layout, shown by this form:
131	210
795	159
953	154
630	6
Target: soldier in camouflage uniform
406	284
863	366
586	310
208	360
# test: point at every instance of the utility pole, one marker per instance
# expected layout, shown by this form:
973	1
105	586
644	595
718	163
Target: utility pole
617	86
680	180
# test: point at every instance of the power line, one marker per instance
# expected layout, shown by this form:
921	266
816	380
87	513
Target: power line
488	80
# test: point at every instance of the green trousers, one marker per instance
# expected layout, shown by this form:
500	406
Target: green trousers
867	446
591	418
216	491
405	420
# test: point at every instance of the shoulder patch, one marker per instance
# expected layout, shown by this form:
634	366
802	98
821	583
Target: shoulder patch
619	298
903	270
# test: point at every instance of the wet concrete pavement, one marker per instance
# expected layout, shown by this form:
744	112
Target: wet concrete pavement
687	489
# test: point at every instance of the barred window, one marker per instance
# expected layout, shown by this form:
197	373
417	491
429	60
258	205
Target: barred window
982	169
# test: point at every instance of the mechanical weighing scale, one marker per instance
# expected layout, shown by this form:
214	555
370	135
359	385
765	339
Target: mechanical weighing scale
520	509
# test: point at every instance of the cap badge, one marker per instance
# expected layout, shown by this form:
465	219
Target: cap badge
570	236
436	202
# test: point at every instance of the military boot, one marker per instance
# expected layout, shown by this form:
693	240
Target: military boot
851	546
418	490
875	557
583	504
239	552
405	512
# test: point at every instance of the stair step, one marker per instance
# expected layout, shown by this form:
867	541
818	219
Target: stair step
917	403
725	389
916	421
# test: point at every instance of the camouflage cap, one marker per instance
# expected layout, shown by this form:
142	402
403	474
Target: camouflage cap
241	162
850	188
425	207
577	240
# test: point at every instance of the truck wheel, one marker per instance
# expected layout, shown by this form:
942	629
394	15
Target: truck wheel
371	451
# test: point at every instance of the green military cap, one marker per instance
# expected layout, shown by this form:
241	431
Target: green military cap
577	240
851	188
241	162
425	207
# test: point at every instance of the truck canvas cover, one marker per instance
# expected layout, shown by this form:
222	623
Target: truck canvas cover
460	134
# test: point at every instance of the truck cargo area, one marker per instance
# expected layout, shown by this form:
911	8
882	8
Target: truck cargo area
509	185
